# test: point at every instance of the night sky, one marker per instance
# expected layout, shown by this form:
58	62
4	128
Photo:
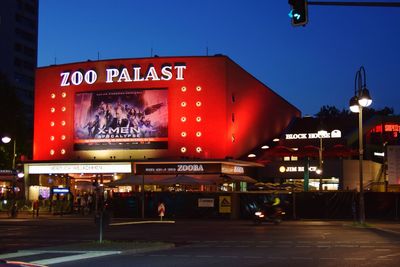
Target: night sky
309	66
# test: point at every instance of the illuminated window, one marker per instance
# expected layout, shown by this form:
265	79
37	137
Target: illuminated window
183	134
52	124
62	151
64	94
286	158
198	104
52	152
63	109
183	88
183	149
198	149
198	88
183	119
198	119
183	104
63	123
53	110
52	138
198	134
63	137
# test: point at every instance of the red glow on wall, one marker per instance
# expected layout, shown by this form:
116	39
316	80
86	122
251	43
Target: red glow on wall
215	108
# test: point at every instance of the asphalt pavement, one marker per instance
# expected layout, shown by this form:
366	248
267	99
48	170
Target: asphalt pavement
56	256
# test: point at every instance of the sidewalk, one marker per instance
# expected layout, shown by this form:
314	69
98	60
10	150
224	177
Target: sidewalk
26	215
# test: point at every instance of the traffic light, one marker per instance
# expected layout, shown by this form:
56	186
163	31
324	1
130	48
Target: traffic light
299	12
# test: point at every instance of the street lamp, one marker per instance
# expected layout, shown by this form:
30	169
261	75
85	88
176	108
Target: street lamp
321	134
360	100
6	140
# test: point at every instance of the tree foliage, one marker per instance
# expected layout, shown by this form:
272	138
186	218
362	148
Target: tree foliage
331	112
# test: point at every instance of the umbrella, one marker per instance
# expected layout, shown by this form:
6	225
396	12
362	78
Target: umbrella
138	180
184	180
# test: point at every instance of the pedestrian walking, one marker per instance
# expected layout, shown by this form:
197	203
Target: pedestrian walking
35	208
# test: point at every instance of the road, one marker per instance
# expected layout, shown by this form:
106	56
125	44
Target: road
217	243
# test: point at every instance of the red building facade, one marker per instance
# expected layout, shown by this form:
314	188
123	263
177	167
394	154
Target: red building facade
158	108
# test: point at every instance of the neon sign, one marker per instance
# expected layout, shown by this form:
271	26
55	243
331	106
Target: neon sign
166	73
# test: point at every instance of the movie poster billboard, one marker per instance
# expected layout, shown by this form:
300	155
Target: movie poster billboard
121	119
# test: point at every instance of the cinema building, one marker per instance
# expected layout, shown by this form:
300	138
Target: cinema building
159	121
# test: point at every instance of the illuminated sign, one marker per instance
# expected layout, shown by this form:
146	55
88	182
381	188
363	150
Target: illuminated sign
165	73
333	134
60	190
232	169
296	169
121	119
178	168
79	168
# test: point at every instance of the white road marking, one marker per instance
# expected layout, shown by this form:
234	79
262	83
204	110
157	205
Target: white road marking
87	255
19	254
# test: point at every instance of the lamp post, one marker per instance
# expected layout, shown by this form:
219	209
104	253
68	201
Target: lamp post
321	134
6	140
360	100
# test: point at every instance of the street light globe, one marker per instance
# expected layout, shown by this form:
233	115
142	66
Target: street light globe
20	175
318	171
6	139
354	105
365	99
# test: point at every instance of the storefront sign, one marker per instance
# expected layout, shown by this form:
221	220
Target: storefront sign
333	134
206	202
225	204
296	169
232	169
195	168
136	73
79	168
60	190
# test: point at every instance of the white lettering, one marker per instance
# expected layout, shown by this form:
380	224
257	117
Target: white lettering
90	77
166	73
238	169
179	71
124	76
190	168
136	76
152	74
77	78
111	73
65	77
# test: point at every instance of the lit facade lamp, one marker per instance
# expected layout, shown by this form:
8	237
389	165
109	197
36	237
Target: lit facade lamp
360	100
